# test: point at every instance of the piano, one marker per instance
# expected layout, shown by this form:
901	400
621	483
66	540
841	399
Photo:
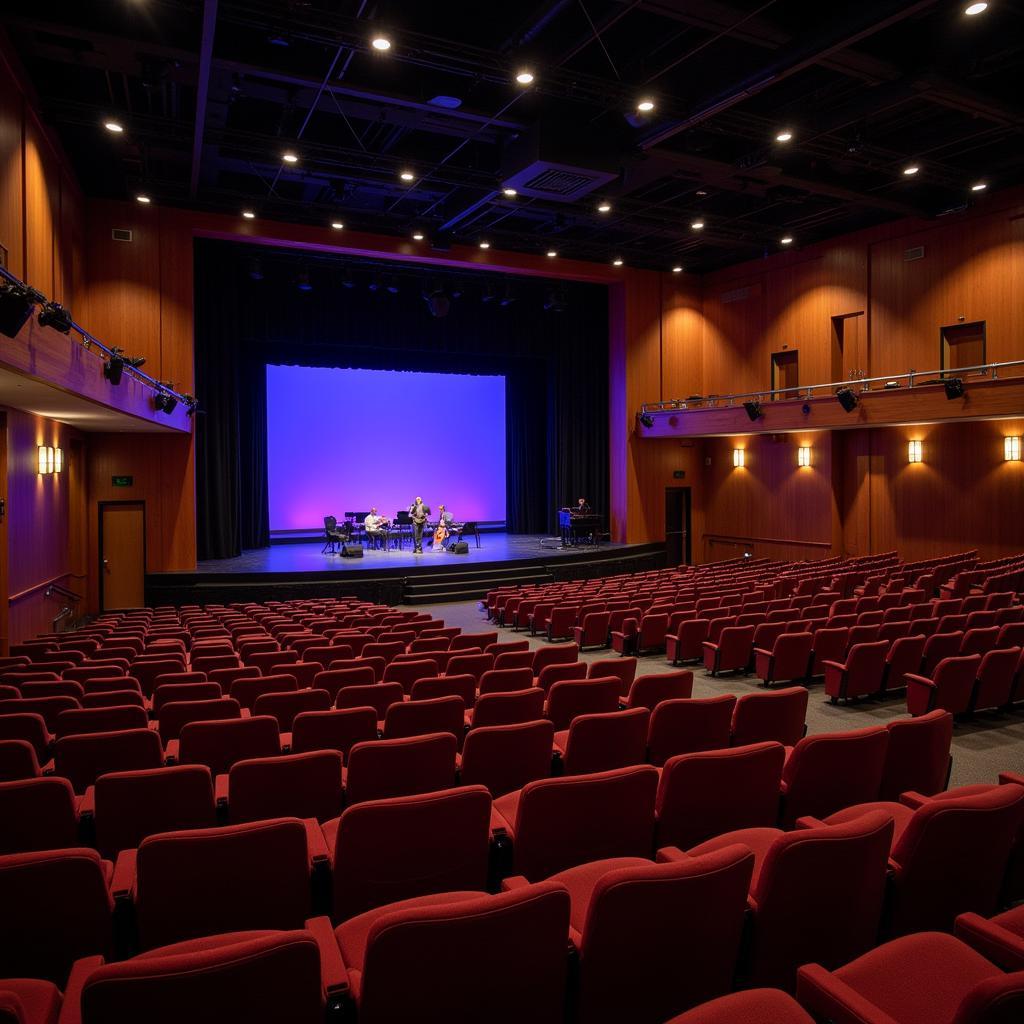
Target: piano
577	529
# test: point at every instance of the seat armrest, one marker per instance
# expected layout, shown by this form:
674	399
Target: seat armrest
809	821
87	805
122	886
709	645
171	752
825	995
333	972
913	677
71	1009
761	650
220	790
913	799
841	666
47	769
1011	777
514	882
315	842
671	855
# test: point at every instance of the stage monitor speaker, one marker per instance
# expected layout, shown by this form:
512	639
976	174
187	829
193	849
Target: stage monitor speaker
459	548
351	552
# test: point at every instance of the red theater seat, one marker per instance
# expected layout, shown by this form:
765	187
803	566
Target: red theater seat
80	721
221	744
917	757
685	726
601	742
788	660
175	716
284	707
505	758
83	759
17	761
379	696
332	730
649	691
568	699
29	1001
508	708
290	785
37	814
779	715
422	717
1000	939
755	1006
403	767
950	688
860	675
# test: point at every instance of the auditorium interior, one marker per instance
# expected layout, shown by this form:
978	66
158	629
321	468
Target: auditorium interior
511	513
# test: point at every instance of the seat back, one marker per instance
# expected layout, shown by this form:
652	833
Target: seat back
903	656
514	659
208	881
555	655
82	759
917	756
382	769
649	691
17	761
461	953
938	647
829	771
28	727
779	715
80	721
335	680
594	629
551	674
56	908
408	672
48	707
802	915
247	691
462	686
954	682
289	785
601	742
50	688
507	680
420	717
397	848
792	654
829	645
379	696
333	730
980	640
175	716
575	697
132	805
219	745
734	646
505	758
624	669
474	664
686	726
995	678
284	707
168	693
578	818
37	814
712	792
509	708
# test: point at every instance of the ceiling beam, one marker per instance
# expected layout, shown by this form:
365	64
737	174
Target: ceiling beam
202	90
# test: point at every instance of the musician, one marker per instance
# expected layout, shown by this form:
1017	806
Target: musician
444	528
376	529
582	508
418	513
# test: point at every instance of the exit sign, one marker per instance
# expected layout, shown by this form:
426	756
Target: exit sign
122	481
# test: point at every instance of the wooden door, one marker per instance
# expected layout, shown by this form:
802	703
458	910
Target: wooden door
849	351
785	372
963	345
122	555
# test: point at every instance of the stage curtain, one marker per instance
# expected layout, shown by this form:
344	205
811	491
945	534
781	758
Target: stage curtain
555	365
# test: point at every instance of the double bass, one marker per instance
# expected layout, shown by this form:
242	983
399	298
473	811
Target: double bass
440	535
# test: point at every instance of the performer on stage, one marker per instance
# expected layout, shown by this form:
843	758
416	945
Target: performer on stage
582	508
376	529
444	528
418	512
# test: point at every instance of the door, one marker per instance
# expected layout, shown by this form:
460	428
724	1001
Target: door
963	345
785	372
122	555
849	358
677	526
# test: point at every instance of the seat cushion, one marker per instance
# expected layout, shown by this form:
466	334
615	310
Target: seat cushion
505	810
581	881
758	840
330	831
901	815
1012	920
561	741
204	943
756	1006
39	1000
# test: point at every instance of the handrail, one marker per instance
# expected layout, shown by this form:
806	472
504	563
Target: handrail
61	591
45	585
730	538
807	390
89	341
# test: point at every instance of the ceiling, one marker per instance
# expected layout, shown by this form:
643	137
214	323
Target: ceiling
212	93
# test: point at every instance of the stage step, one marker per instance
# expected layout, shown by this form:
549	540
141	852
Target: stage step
467	585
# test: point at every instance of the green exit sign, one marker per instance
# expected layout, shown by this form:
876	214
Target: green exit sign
122	481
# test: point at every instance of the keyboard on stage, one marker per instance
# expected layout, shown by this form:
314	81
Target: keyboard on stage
576	527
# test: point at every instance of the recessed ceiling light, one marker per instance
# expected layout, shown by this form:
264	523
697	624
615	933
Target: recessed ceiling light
337	225
786	240
407	176
552	253
113	126
911	169
485	245
248	214
417	236
784	136
702	192
645	106
979	186
524	77
677	269
604	207
381	43
617	262
697	225
509	193
142	198
289	157
972	9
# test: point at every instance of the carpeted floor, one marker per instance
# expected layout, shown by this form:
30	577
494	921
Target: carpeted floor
981	748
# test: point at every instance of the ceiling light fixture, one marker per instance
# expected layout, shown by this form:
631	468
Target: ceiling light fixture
786	240
552	253
407	176
248	214
337	225
979	186
381	43
524	76
645	106
911	169
141	198
974	9
677	269
604	207
417	236
784	136
697	225
509	193
113	126
485	245
617	262
289	157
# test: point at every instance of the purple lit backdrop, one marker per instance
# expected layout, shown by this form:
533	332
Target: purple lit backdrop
343	440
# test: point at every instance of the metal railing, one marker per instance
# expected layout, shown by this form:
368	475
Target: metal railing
912	377
90	342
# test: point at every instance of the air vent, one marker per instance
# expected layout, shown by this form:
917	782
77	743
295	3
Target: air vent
121	234
915	253
543	179
736	295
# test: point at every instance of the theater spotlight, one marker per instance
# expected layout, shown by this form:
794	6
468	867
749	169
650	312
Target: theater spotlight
647	419
954	387
437	302
554	301
16	304
113	368
754	410
54	315
165	402
847	399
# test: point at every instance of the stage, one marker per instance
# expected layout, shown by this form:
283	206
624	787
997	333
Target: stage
397	576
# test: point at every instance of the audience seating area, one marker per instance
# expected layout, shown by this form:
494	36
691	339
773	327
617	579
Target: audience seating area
298	811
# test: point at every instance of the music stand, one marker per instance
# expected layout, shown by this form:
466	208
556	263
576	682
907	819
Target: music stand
403	527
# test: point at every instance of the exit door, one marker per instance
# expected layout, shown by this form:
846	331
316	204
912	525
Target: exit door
677	526
122	555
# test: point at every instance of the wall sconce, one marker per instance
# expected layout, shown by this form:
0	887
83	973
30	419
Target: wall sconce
1011	449
58	460
914	451
45	459
803	456
738	459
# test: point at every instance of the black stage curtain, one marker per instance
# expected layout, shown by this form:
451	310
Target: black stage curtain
555	365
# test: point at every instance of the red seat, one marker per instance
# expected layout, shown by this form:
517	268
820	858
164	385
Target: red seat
917	978
551	674
706	794
993	687
420	717
559	655
860	675
950	688
82	759
37	814
649	691
29	1001
788	659
779	715
561	623
113	699
474	664
625	919
558	823
513	659
48	707
979	641
56	908
379	696
829	645
332	730
755	1006
28	727
18	761
624	669
904	655
219	744
686	726
80	721
508	708
1000	939
575	697
817	894
505	758
463	948
592	631
601	742
175	716
473	641
938	647
246	691
685	645
403	767
731	652
917	757
408	672
51	688
382	851
284	707
305	785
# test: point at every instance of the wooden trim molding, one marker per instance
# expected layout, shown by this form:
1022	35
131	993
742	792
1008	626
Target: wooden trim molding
42	586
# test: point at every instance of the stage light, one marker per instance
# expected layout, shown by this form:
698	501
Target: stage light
972	10
45	457
786	240
381	43
697	225
417	236
617	262
914	451
289	157
509	297
647	420
489	294
248	214
552	253
645	106
16	304
555	302
524	76
803	457
255	270
910	170
784	136
485	245
604	207
143	198
1011	449
753	410
847	399
677	269
303	283
407	176
113	369
347	280
509	193
374	285
114	127
392	285
954	387
739	458
54	315
337	225
979	186
437	302
164	401
58	460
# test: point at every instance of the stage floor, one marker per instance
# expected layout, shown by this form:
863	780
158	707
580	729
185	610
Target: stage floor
307	558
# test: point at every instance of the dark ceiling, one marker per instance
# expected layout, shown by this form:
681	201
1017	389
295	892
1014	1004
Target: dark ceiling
211	94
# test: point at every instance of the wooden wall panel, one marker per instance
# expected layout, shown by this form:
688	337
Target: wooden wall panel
42	214
682	315
11	157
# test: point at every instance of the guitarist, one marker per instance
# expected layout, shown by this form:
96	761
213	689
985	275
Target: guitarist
418	513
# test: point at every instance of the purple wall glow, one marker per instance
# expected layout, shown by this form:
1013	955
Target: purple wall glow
343	440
